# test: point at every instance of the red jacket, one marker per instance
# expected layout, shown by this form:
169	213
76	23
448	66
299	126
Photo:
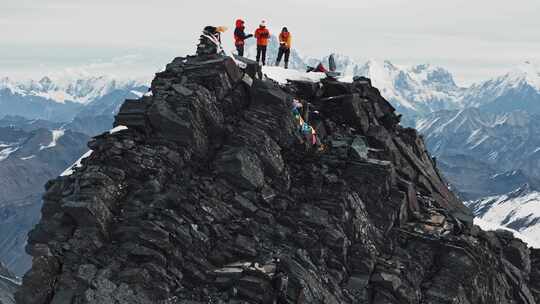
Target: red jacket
239	33
263	35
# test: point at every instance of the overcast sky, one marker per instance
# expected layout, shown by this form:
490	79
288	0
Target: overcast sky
474	39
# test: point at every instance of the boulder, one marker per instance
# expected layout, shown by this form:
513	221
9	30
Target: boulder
241	167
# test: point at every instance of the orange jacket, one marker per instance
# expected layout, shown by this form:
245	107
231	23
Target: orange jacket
285	39
263	35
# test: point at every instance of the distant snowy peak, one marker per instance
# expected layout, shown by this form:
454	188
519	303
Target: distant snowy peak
522	82
527	73
80	90
435	77
418	90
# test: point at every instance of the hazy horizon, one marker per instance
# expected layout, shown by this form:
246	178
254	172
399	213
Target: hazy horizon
475	40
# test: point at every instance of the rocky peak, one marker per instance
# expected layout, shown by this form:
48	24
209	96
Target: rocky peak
46	84
211	193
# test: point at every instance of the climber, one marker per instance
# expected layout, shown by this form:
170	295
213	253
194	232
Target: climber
210	41
262	34
214	31
284	47
240	37
319	69
307	130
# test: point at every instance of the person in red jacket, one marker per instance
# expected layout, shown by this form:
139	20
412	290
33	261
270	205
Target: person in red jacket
263	35
240	37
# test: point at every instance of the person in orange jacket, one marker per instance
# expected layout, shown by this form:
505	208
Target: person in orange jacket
263	35
240	37
285	41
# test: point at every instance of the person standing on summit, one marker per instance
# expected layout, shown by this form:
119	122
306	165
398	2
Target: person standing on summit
285	41
240	37
262	34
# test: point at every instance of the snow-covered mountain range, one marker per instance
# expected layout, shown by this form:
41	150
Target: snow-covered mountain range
482	153
61	99
61	90
517	89
415	91
518	210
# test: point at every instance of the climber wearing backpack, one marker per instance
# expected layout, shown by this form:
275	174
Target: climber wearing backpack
285	40
210	41
240	36
262	34
318	69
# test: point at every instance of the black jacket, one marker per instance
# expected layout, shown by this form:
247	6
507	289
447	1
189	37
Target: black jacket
240	35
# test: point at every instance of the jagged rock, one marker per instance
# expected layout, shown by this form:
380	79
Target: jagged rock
212	195
241	167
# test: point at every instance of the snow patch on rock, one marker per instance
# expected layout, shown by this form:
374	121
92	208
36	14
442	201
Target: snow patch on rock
488	226
5	153
77	164
117	129
518	211
56	135
281	75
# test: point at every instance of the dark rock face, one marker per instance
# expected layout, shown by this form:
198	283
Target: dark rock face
212	195
98	116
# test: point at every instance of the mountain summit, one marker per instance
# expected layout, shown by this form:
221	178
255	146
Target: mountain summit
208	191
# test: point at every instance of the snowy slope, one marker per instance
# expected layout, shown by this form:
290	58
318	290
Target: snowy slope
518	210
282	75
487	226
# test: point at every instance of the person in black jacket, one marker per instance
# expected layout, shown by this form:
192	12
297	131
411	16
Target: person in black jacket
240	37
